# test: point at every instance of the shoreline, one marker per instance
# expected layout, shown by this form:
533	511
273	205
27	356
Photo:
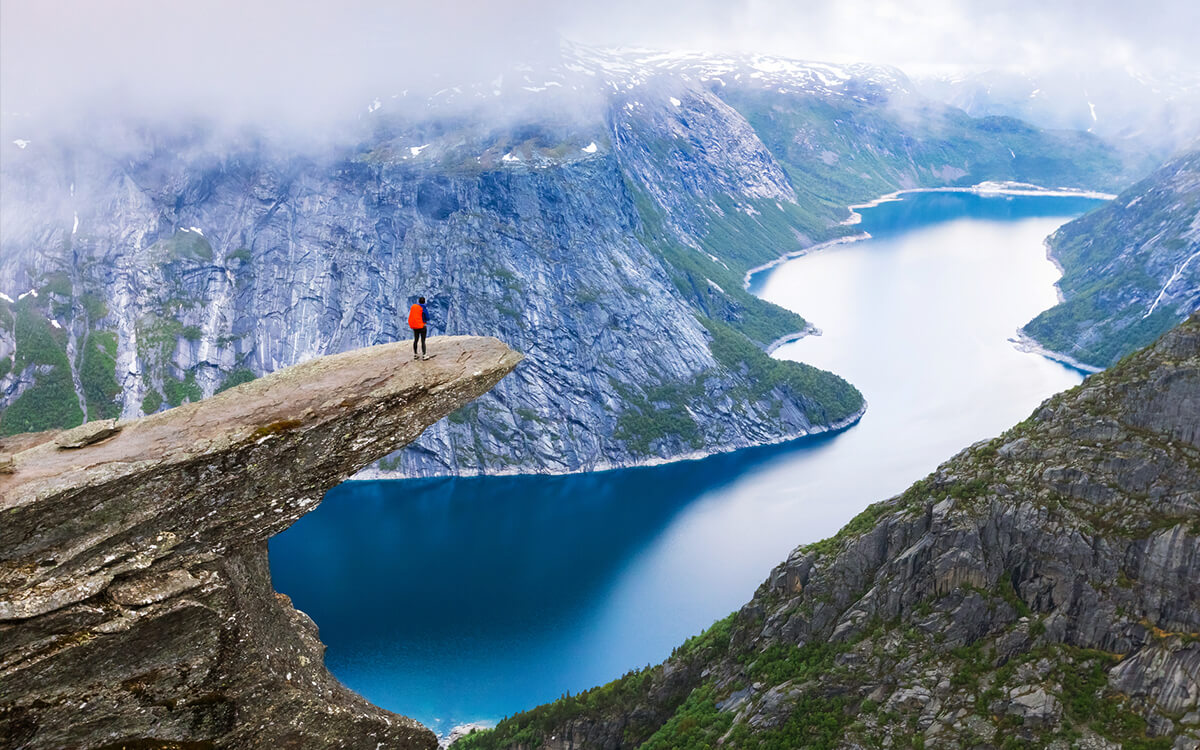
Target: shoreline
983	188
792	255
374	475
1058	292
808	330
1022	341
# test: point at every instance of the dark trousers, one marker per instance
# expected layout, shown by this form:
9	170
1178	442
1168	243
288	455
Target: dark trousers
418	335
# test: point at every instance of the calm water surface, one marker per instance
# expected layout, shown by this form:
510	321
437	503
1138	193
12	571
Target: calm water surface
455	600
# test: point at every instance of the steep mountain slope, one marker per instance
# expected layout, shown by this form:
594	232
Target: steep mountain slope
163	263
1131	269
1041	589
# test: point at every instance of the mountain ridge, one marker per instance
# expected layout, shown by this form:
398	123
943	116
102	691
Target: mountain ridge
181	264
1039	588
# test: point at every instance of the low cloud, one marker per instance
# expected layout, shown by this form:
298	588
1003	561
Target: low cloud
309	65
1158	35
302	62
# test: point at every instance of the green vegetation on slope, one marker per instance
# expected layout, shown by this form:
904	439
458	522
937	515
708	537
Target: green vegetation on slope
694	273
811	663
1116	260
838	152
186	245
530	728
50	402
97	373
236	378
178	391
660	412
1058	328
826	398
740	325
696	725
151	402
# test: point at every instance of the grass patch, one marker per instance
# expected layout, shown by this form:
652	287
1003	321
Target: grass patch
696	725
659	413
781	662
464	414
180	391
186	246
241	255
152	402
97	374
236	378
713	642
816	722
1088	702
50	402
283	425
825	397
530	728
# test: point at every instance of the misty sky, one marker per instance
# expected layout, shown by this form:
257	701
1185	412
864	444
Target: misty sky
252	57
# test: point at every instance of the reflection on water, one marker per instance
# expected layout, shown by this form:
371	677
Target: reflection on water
453	600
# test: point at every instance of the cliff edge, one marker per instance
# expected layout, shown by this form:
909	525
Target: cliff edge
136	607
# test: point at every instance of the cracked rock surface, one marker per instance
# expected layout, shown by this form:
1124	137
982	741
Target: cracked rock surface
136	606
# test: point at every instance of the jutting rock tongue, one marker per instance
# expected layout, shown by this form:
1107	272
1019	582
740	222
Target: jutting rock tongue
136	605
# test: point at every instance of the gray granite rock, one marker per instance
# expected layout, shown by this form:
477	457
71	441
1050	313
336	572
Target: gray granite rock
87	434
1041	588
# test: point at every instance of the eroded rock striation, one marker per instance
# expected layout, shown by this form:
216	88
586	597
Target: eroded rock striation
1041	589
136	607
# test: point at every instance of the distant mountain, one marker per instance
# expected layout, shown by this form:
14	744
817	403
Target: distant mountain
598	215
1040	589
1131	268
1159	115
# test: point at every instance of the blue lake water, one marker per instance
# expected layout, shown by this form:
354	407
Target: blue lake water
464	599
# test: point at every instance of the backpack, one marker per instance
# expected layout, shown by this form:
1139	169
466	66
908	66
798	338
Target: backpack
416	317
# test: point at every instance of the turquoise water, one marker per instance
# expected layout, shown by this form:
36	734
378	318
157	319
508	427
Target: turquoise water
456	600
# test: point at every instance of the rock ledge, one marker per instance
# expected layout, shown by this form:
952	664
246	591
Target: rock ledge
136	605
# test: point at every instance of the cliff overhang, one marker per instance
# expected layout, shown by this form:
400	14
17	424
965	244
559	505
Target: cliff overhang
135	596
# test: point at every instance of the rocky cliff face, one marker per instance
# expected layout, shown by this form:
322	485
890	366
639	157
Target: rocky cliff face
1131	269
136	607
150	266
1041	589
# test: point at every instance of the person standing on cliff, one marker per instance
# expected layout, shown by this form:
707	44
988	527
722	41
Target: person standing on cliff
418	319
